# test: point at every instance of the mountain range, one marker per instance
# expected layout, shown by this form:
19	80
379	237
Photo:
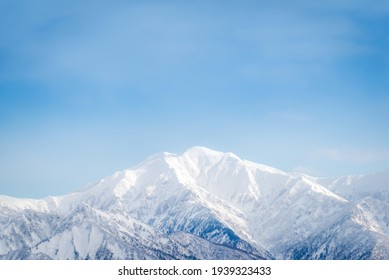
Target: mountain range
203	204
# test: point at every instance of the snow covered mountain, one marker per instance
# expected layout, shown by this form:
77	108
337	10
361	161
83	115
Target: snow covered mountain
203	204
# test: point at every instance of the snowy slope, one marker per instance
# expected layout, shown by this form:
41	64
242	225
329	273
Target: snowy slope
355	187
202	204
361	232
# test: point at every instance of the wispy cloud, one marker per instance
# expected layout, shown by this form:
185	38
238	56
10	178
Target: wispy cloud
295	48
351	155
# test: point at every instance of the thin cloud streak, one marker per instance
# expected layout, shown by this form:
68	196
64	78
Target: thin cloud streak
350	155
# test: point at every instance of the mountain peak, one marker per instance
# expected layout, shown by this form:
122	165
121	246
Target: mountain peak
200	150
203	152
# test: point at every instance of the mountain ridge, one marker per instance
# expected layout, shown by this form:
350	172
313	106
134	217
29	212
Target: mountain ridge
236	207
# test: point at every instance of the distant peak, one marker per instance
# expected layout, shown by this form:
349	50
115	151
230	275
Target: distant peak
200	150
160	156
197	151
164	154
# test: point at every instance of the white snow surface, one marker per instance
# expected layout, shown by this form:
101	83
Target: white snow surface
164	205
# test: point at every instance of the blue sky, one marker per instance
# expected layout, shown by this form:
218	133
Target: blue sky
91	87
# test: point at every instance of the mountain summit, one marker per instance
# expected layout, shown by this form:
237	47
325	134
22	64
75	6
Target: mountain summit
203	204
